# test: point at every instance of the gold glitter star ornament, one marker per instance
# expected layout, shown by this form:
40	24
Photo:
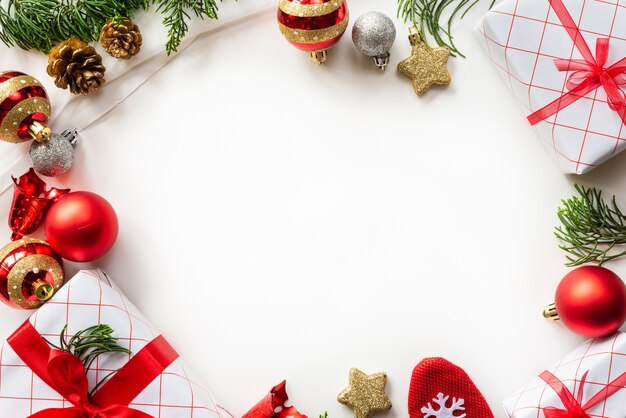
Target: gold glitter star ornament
365	394
426	66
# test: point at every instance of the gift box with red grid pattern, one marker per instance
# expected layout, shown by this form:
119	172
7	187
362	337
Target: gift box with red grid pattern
151	381
564	61
589	382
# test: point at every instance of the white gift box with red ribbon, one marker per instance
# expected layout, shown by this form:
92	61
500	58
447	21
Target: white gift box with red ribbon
589	381
565	63
89	299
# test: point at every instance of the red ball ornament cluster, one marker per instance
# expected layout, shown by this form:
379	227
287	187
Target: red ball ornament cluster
591	301
313	25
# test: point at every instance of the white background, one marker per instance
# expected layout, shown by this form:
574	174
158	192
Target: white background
283	220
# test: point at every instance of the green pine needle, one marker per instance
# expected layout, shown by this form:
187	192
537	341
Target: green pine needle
88	345
426	16
40	24
592	231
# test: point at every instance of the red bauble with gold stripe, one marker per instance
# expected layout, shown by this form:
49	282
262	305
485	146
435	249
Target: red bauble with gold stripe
23	103
30	273
313	25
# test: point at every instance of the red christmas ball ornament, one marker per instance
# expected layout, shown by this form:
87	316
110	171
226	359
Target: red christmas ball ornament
81	226
313	25
30	273
591	301
24	108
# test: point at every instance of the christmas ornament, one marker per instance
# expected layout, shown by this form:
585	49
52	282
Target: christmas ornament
81	226
55	156
77	65
273	405
426	66
24	111
591	301
313	25
24	108
121	38
592	231
365	393
30	273
373	34
31	202
441	389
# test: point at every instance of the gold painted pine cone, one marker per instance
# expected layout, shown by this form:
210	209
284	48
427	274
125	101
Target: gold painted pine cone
75	64
121	38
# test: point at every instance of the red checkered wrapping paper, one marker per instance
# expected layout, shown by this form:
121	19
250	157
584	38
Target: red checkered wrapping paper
523	38
587	373
88	299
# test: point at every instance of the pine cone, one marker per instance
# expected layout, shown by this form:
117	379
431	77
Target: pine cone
76	64
121	38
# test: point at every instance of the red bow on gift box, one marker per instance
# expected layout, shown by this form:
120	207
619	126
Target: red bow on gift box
589	73
573	406
65	373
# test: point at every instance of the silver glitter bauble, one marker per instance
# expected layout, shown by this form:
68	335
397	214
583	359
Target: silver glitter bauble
373	34
55	156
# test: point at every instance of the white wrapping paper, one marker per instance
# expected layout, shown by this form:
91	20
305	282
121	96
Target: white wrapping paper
523	38
91	298
603	360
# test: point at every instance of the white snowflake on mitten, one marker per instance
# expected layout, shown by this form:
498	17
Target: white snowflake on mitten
444	411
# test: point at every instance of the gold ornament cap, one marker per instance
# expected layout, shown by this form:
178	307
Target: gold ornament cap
39	131
550	313
414	36
320	56
42	290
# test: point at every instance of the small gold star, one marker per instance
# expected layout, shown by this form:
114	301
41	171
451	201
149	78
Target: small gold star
365	394
426	66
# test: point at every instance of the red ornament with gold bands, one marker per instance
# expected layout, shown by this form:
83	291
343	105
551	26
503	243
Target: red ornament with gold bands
30	272
313	25
24	107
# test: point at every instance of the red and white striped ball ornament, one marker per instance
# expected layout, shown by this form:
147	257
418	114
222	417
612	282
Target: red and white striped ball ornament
313	25
24	112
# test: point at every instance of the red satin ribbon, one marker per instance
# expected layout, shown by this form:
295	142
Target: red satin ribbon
589	73
573	405
65	373
31	201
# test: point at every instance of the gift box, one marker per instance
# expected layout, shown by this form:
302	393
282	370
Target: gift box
150	381
565	63
589	381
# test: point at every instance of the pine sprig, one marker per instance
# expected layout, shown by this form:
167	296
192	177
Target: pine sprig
40	24
427	17
176	17
591	230
89	344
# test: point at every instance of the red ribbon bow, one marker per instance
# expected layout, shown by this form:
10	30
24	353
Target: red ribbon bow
65	373
589	72
31	201
574	408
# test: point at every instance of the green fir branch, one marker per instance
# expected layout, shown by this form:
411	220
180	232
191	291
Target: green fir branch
427	16
177	14
88	345
591	230
40	24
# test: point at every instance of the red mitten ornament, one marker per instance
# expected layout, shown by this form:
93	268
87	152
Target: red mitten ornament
441	389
